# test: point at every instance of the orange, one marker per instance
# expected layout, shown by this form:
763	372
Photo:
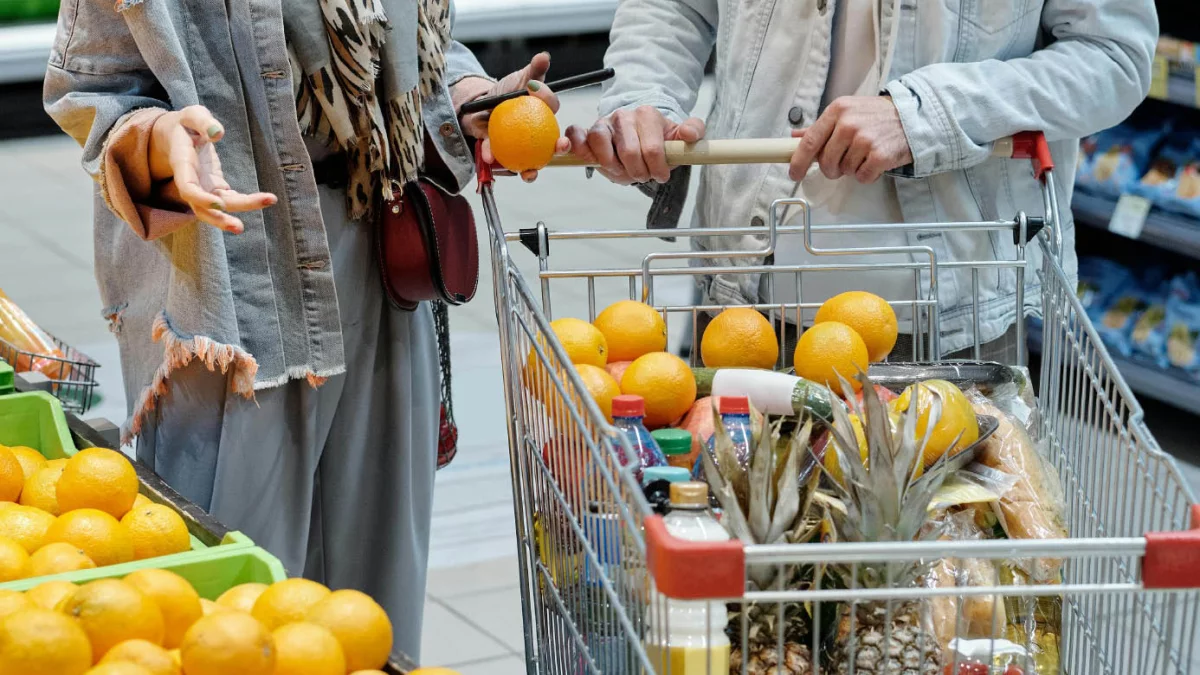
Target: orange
41	488
14	561
176	657
38	641
228	643
307	649
665	382
11	601
156	530
25	525
869	315
209	607
155	659
584	344
97	478
523	133
739	337
31	460
359	624
111	612
420	671
57	558
241	597
96	533
600	386
287	602
12	476
48	594
176	599
833	463
118	668
632	329
955	429
830	349
141	500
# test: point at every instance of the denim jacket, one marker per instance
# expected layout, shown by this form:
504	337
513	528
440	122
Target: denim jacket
260	306
964	73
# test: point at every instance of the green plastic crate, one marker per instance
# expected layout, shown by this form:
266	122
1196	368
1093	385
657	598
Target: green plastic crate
210	572
7	384
35	419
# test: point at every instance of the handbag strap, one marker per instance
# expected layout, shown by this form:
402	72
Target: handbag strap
448	442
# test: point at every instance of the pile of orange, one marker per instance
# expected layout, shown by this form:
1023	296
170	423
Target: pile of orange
153	622
65	515
851	330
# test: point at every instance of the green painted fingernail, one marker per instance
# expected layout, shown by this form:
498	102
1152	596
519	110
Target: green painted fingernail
217	207
214	131
534	85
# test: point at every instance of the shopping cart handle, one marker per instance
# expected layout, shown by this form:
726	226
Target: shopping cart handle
1029	145
693	570
722	151
1172	559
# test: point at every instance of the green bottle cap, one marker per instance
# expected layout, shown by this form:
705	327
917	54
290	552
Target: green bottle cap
673	441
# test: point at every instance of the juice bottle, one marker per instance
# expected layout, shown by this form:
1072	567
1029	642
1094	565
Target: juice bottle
676	446
691	639
657	482
735	417
628	413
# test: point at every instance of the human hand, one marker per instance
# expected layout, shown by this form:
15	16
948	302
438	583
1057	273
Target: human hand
532	77
182	150
859	136
628	144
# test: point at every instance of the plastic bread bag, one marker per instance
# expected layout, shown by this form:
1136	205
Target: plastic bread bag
17	329
1033	507
969	616
1034	622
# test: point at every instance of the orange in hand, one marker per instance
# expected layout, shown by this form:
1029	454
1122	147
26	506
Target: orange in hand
523	132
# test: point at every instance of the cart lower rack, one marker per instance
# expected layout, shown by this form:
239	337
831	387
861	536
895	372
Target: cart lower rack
602	579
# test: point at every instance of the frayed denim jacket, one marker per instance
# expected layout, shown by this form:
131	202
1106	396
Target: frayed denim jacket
963	74
259	306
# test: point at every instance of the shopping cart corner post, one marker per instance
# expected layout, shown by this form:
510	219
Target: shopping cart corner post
1172	559
693	570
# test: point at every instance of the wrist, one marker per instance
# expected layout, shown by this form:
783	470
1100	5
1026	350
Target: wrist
469	89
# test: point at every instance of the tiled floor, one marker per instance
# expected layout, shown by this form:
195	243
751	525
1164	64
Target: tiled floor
473	613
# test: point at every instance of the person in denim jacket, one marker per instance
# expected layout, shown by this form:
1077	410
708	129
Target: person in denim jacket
898	103
240	150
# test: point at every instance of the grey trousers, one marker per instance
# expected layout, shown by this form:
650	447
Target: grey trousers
336	481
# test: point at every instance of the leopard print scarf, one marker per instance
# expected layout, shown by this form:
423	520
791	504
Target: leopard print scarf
339	105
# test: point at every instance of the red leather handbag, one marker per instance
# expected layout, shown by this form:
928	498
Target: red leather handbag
427	247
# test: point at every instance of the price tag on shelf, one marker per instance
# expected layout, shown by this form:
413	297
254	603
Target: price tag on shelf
1129	216
1160	75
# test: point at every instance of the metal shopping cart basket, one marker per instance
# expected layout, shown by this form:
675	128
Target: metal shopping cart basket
599	570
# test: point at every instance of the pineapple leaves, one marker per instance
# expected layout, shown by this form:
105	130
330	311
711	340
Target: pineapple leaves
762	469
727	461
788	505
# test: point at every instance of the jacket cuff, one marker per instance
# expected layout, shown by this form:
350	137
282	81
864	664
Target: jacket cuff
926	126
125	182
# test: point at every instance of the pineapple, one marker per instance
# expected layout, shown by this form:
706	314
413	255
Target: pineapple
886	501
768	503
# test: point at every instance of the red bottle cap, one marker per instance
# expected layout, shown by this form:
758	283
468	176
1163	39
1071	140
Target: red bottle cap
628	405
733	405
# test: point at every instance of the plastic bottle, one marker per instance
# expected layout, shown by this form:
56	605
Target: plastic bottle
696	643
628	412
657	482
735	417
676	446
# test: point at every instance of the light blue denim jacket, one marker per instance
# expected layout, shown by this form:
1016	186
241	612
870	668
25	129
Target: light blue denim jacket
964	73
260	305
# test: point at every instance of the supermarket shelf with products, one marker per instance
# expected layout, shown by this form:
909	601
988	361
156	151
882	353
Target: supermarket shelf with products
25	47
1175	232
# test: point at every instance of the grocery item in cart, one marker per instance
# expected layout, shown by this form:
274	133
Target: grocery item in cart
657	482
980	616
17	329
945	418
692	640
1033	507
631	329
829	350
665	383
676	446
629	412
739	337
869	315
734	413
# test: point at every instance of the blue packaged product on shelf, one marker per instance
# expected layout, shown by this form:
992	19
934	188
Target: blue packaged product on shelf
1099	280
1183	338
1121	158
1121	299
1173	179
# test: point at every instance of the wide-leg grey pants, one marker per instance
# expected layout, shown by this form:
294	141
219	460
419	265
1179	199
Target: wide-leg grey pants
336	481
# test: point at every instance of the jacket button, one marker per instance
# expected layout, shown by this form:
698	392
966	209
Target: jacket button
447	129
821	6
796	116
756	221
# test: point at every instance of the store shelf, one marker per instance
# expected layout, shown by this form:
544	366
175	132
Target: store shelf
25	48
24	51
1177	233
1180	91
1161	385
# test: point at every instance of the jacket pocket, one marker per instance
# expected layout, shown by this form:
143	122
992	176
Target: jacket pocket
93	39
992	16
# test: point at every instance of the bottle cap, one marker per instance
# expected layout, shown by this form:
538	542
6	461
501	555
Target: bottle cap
673	441
671	474
734	405
628	405
689	494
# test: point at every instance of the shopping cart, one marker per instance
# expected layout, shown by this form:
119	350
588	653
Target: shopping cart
597	567
71	373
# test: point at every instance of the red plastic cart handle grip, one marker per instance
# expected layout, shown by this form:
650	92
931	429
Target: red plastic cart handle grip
693	570
1173	558
1029	145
